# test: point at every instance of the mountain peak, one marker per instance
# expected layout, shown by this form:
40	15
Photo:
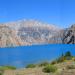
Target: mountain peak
32	22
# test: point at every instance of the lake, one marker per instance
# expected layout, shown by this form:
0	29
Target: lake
21	56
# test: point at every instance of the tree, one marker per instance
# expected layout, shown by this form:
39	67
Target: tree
68	54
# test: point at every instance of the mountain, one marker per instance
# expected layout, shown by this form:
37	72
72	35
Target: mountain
7	37
32	32
27	32
69	35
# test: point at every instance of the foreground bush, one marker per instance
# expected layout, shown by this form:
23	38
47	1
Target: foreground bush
1	74
43	64
49	68
31	66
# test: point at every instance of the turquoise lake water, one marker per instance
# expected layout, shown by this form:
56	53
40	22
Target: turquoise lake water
21	56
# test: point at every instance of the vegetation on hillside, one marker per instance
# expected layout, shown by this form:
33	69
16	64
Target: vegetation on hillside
49	68
31	66
63	57
43	64
3	68
7	68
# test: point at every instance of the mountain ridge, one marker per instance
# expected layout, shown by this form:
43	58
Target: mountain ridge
30	32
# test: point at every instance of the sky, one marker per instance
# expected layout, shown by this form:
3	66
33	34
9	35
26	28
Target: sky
57	12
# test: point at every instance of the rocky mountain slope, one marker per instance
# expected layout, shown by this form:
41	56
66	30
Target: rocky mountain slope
27	32
69	35
31	32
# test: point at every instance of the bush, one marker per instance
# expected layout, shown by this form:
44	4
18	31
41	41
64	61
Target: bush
70	67
49	68
43	64
73	59
7	67
1	74
31	66
60	60
53	62
11	67
68	54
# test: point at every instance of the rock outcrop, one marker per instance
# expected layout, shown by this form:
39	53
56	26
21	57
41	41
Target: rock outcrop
69	35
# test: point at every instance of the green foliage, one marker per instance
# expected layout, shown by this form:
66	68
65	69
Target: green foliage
11	67
74	59
7	67
49	68
70	67
53	62
31	66
61	59
43	64
68	54
1	74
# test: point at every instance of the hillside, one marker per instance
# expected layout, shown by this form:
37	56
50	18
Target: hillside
28	32
69	35
38	71
31	32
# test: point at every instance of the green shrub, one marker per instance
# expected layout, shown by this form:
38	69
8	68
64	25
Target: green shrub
49	68
74	59
68	54
7	67
43	64
60	60
70	67
11	67
31	66
53	62
1	74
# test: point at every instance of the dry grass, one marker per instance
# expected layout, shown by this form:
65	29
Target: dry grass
62	70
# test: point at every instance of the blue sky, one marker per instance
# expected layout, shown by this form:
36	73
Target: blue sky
58	12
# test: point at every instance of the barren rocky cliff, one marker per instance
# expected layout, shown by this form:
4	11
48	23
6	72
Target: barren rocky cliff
31	32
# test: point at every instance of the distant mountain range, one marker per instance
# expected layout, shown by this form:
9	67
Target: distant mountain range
31	32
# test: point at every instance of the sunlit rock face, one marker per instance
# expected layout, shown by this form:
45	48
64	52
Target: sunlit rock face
37	35
69	35
8	37
31	32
